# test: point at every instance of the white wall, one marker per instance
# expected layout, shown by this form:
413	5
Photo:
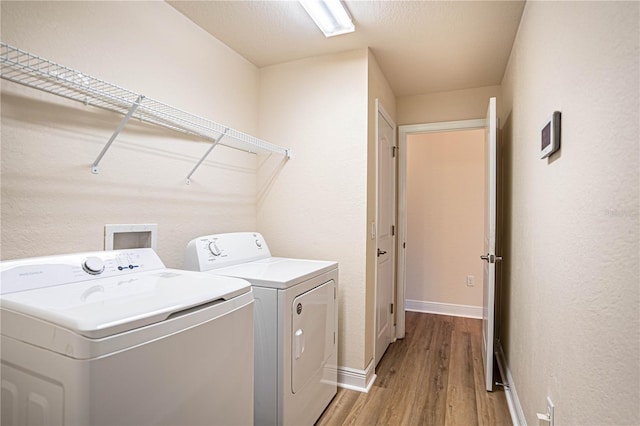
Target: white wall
51	203
571	325
468	104
445	218
314	206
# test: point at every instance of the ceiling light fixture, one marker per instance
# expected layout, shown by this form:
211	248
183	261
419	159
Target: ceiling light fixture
329	15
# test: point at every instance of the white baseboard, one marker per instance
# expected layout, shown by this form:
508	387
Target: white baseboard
515	409
359	380
443	308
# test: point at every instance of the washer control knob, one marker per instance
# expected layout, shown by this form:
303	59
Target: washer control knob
93	265
213	248
259	243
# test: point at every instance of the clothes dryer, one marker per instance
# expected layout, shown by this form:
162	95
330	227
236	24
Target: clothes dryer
115	338
296	320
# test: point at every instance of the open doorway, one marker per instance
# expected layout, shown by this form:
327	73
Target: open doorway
445	222
441	218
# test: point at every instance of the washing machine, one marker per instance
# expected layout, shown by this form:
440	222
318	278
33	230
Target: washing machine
115	338
296	319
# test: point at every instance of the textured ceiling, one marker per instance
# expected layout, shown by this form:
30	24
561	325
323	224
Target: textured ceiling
421	46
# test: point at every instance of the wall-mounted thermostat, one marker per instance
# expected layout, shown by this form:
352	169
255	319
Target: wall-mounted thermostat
550	138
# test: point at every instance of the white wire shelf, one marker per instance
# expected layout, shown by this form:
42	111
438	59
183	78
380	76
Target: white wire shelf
33	71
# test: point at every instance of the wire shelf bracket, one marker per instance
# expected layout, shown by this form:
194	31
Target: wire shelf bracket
206	154
24	68
94	166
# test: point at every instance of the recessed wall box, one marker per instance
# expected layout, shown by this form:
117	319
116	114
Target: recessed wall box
550	135
118	237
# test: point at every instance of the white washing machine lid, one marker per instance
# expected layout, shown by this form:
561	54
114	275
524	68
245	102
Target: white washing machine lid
277	272
107	306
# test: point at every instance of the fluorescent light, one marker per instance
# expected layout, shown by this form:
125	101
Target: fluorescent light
329	15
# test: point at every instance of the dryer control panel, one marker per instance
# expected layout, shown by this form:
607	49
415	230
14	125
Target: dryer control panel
40	272
220	250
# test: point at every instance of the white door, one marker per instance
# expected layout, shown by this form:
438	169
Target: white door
489	257
385	235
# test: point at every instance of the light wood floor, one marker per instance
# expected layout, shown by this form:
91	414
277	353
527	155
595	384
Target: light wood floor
434	376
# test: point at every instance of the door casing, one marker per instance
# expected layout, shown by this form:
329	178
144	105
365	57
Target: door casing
403	133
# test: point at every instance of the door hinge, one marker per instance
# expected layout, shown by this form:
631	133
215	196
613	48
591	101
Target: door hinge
394	150
491	258
393	230
404	245
334	293
392	308
334	337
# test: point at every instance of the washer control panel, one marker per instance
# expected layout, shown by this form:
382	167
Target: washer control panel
219	250
39	272
93	265
214	249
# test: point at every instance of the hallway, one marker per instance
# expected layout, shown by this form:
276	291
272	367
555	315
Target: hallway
434	376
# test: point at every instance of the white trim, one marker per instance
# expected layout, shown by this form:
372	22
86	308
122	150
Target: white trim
515	409
401	277
444	126
466	311
358	380
403	132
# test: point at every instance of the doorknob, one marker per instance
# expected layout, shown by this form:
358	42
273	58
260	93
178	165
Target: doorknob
380	252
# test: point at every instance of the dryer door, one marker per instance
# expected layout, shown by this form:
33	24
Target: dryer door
313	329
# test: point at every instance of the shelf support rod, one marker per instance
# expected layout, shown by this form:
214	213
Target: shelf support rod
206	154
94	166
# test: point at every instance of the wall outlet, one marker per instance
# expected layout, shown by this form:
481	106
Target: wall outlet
547	419
550	408
471	280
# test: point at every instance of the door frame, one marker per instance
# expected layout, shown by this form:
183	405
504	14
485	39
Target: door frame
394	286
403	133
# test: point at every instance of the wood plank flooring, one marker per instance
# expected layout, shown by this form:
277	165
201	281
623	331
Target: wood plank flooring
434	376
